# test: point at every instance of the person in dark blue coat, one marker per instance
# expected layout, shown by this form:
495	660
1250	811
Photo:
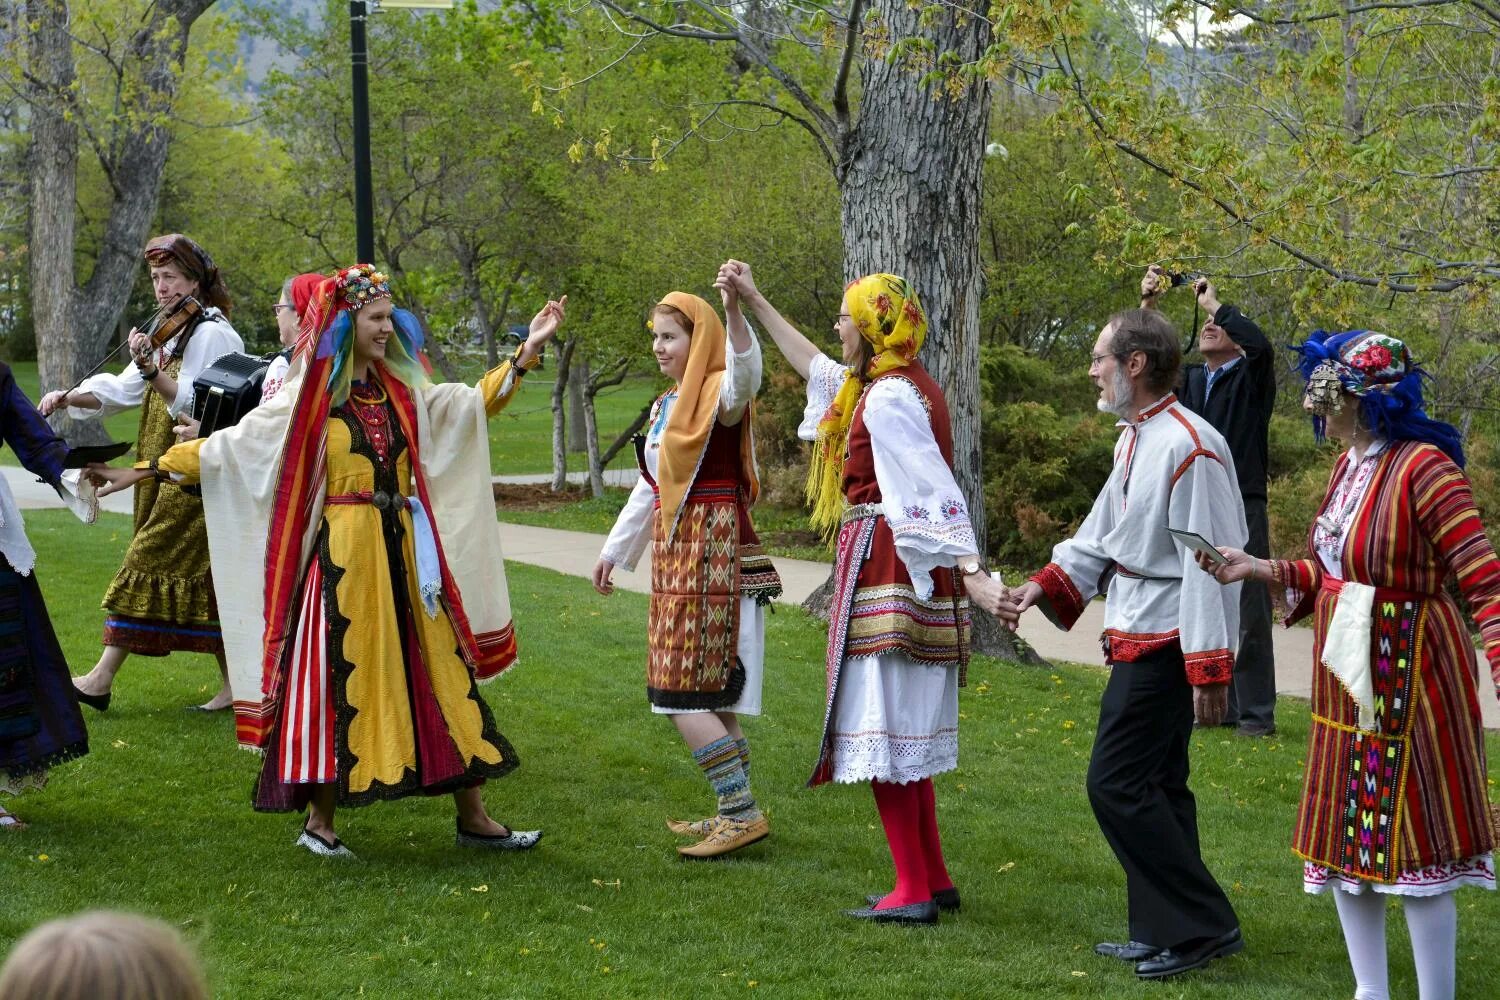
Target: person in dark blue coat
40	724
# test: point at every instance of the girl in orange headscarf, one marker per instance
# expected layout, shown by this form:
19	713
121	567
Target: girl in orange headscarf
907	565
710	581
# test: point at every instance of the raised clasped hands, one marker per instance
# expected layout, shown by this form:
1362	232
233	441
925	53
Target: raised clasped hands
1240	565
735	279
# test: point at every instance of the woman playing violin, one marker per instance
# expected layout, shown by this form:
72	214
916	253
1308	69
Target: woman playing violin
162	599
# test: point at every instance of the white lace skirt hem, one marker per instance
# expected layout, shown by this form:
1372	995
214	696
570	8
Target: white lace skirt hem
35	781
751	648
1433	880
894	720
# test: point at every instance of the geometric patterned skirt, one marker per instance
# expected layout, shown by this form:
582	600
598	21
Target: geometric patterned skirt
1401	802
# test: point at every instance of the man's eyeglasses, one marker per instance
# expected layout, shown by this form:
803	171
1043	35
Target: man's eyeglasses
1096	358
276	309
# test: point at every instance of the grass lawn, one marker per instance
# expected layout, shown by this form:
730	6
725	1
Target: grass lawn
520	436
157	819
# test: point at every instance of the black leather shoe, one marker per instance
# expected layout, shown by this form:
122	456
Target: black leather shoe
1171	961
98	702
1131	951
925	912
946	900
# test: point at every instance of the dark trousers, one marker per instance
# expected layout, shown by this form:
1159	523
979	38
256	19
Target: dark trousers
1252	696
1137	784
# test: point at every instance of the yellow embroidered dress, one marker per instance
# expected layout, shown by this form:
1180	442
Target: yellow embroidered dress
374	693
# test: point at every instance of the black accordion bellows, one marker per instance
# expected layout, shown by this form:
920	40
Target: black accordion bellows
227	390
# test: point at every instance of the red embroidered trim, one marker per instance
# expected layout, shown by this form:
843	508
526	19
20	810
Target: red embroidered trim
1157	407
1127	647
1065	598
1213	666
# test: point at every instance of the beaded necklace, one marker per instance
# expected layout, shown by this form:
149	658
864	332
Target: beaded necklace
370	409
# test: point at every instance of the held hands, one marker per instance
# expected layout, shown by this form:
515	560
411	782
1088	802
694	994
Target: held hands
991	596
1210	704
602	569
1241	565
186	427
108	479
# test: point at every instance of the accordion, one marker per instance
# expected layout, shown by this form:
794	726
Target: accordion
227	390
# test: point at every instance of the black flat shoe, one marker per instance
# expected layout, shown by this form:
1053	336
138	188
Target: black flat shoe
946	900
925	912
98	702
1132	951
1171	961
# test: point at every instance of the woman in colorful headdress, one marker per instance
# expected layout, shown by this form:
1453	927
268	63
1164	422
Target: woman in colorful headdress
353	531
710	579
162	599
1394	801
907	563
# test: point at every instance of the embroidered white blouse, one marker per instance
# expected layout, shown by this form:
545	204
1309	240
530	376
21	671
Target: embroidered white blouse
632	531
212	338
1171	469
919	497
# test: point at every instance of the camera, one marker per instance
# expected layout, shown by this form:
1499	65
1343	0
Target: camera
1175	278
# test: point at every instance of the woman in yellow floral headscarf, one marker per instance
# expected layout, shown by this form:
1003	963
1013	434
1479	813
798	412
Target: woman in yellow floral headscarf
906	567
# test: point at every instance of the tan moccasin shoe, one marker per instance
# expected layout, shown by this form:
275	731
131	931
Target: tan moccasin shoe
692	828
728	835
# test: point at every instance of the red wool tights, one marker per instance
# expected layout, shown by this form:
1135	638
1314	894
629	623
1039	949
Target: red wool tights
909	814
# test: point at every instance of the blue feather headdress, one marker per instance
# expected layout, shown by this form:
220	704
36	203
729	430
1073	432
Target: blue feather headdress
1377	369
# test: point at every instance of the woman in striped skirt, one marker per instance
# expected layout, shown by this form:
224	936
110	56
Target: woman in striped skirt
1394	801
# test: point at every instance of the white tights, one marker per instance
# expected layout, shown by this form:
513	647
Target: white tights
1432	922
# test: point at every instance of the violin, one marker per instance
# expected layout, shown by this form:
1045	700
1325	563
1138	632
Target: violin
168	322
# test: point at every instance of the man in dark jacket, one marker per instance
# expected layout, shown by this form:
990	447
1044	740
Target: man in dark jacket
1234	389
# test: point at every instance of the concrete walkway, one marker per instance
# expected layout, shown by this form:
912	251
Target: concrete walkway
575	552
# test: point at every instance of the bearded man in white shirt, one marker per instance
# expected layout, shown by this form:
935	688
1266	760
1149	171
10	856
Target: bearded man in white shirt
1169	640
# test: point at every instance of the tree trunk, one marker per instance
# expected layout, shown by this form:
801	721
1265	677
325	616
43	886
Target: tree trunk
578	432
468	267
73	324
565	350
910	185
596	469
62	357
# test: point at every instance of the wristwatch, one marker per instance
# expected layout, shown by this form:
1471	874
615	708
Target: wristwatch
969	567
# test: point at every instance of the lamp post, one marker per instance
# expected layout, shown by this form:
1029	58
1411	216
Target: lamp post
359	59
364	194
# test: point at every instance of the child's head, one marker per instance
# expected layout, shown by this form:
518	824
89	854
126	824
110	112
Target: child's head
102	954
671	338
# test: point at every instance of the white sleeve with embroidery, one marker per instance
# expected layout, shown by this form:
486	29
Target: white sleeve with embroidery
923	504
632	531
742	376
824	377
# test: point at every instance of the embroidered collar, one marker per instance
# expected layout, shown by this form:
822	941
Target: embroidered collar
1157	407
